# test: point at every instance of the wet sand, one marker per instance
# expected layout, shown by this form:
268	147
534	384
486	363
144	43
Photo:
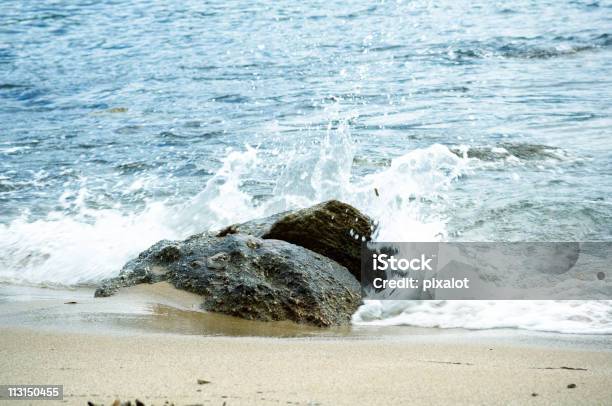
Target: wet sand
156	308
154	344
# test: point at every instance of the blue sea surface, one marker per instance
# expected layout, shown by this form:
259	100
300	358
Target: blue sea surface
123	122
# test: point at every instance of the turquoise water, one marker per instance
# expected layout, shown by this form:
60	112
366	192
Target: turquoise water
124	122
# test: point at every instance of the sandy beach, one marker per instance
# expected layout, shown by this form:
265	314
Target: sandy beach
148	343
306	202
269	371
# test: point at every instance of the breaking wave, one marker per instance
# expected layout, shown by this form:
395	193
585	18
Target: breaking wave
411	195
84	245
570	317
528	48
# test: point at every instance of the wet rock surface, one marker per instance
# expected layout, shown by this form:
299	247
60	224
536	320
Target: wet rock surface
248	277
268	269
333	229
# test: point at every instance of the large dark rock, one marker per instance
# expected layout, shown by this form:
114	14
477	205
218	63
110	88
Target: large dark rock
249	277
290	266
333	229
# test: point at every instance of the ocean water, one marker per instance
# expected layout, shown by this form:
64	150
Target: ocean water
125	122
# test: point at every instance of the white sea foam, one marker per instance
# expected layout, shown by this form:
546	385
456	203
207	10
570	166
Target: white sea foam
66	248
574	317
409	205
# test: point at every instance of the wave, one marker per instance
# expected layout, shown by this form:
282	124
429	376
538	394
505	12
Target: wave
505	151
568	317
85	245
527	48
81	245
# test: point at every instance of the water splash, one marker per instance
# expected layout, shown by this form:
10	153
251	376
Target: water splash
83	245
408	199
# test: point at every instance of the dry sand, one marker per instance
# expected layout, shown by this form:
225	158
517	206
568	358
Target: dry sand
272	371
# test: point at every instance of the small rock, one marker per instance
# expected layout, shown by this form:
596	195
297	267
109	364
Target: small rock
202	381
117	110
534	394
571	386
70	302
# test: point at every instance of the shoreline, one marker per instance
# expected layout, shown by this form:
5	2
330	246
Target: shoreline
161	309
151	343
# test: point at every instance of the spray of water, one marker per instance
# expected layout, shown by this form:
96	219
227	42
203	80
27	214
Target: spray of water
407	199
